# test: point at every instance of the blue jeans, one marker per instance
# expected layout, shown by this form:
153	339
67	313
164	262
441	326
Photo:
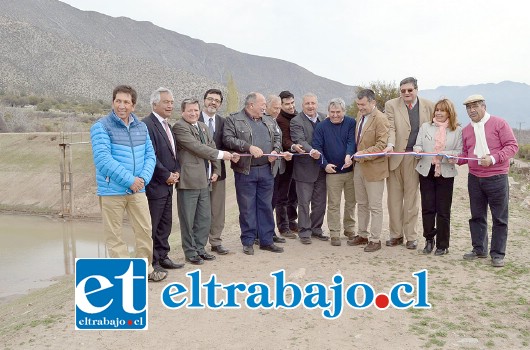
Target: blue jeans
492	191
254	197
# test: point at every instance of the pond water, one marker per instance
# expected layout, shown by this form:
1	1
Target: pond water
35	249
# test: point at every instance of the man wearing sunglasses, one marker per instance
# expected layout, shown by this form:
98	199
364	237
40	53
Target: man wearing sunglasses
405	114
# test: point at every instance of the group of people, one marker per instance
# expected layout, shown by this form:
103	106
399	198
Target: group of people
298	165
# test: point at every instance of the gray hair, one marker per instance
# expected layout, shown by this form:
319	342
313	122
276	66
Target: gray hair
251	98
309	94
337	102
368	93
155	96
272	98
410	80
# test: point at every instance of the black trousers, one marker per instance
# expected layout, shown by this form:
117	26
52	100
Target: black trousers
436	200
285	200
161	220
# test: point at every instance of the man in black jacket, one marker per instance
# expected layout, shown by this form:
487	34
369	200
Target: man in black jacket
167	171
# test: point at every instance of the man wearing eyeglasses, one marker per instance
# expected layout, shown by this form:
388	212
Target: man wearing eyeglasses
490	139
213	99
405	114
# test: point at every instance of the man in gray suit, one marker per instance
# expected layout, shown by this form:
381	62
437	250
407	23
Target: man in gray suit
309	176
199	167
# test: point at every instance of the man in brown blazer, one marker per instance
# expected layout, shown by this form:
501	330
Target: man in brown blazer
371	135
199	167
406	114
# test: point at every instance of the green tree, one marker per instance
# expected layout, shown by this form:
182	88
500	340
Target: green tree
232	95
383	92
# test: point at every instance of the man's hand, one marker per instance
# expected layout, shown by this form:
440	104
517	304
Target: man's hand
287	155
255	151
486	160
330	168
227	155
214	177
347	162
273	158
235	157
137	185
173	178
297	148
388	149
314	154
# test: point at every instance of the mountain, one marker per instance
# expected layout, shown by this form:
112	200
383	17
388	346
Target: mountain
51	47
503	99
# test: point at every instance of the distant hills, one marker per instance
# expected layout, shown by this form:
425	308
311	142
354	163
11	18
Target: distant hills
505	99
51	48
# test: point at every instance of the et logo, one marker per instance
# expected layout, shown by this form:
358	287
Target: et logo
111	294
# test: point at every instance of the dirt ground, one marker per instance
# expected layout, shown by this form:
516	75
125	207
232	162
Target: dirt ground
474	306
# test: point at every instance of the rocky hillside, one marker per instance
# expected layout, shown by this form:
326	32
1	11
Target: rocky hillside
55	48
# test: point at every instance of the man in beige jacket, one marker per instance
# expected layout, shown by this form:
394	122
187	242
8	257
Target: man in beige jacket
371	136
405	114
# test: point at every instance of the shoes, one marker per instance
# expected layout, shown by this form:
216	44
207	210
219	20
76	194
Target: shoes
320	236
392	242
411	244
441	251
474	255
357	240
294	227
429	245
497	262
335	241
305	240
288	234
168	264
159	268
272	248
157	276
372	247
248	249
195	260
256	241
219	249
350	235
207	256
277	239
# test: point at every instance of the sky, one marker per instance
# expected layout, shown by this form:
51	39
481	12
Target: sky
441	43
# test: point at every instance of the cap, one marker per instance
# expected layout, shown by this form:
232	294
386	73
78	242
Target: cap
474	98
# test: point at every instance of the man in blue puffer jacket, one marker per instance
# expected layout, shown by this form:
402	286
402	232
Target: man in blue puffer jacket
124	159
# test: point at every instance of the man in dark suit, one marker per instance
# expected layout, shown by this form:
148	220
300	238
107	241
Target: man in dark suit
213	98
309	176
286	213
167	171
199	167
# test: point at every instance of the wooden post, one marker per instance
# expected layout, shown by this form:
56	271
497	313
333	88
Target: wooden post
66	181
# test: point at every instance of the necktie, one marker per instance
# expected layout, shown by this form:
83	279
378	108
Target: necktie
206	162
410	106
201	136
210	127
169	136
359	131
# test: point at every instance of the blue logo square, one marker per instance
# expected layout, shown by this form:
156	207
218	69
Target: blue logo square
111	294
